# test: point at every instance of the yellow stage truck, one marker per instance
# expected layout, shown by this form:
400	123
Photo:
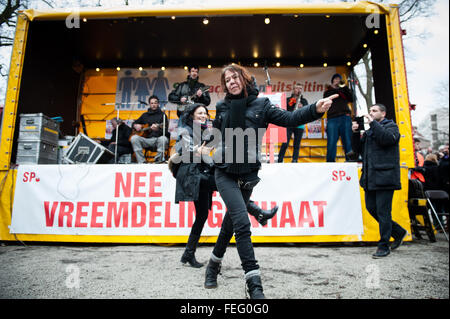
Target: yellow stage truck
76	69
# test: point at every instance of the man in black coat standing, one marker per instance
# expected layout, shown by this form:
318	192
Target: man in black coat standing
379	149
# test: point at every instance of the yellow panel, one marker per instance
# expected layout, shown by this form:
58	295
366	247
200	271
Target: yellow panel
7	186
12	92
400	89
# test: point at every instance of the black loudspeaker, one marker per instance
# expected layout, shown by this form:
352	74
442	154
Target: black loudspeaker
85	150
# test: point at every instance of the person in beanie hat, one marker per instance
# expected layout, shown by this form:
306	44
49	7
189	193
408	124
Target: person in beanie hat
339	122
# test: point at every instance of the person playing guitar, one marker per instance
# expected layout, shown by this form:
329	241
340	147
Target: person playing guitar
150	130
295	101
190	91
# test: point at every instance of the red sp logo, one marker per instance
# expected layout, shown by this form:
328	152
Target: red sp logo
339	176
29	177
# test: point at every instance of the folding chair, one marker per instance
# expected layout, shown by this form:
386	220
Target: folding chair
418	211
441	196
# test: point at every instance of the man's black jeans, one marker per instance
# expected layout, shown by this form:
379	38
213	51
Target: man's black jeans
379	205
236	220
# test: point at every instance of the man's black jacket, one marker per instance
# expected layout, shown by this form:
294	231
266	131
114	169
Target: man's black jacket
380	154
151	117
189	88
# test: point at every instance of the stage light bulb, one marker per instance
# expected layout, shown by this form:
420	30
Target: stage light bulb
97	69
375	31
266	20
255	64
172	17
278	64
209	66
84	20
118	68
163	68
205	21
325	65
327	16
185	67
365	45
140	68
302	65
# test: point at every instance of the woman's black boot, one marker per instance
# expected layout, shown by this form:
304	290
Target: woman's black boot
254	287
261	215
189	252
212	270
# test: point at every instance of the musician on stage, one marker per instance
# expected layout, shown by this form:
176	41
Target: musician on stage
123	144
148	132
190	90
339	121
294	102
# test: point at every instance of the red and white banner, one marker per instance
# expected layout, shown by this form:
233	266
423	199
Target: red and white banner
313	199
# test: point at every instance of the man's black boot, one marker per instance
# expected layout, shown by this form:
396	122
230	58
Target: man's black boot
212	270
254	287
399	240
381	252
261	215
189	252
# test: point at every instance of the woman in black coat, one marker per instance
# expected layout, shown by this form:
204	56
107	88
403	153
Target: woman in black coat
237	163
195	176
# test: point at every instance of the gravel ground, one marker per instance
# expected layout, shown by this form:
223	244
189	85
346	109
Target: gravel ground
418	270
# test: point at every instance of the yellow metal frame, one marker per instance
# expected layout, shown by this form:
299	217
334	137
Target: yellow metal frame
12	92
371	234
399	83
361	7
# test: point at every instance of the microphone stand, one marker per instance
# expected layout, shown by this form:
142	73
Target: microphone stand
117	136
266	69
163	109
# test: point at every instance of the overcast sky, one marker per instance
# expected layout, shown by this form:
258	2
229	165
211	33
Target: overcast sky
427	60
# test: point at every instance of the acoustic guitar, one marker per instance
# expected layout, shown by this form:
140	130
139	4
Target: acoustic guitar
145	131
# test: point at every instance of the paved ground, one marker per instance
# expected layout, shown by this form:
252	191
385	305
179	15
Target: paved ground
418	269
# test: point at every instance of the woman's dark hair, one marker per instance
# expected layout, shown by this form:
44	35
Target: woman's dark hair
194	107
244	76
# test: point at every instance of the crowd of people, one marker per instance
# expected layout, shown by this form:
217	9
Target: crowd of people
432	170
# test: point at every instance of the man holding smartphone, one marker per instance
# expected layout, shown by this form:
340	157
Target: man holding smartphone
380	176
